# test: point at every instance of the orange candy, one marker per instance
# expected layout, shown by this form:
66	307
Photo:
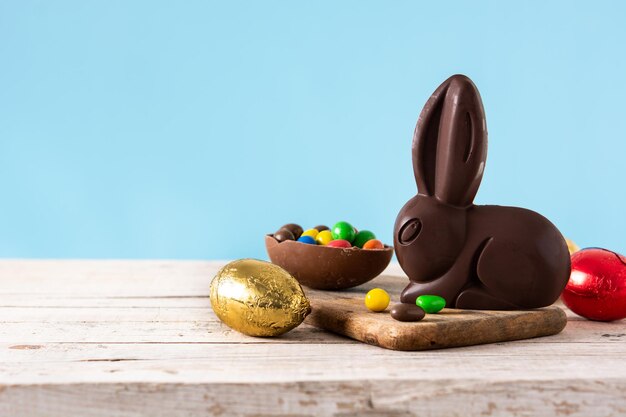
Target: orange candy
373	244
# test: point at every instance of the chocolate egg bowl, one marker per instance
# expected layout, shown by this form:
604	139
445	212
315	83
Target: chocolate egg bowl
327	268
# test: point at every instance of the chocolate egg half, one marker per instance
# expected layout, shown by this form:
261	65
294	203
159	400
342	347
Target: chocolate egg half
325	267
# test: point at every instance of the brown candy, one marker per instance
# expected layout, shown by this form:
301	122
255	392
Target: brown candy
407	312
321	228
295	229
284	234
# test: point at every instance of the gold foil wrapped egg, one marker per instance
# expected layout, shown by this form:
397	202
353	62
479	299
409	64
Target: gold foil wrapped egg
258	298
571	246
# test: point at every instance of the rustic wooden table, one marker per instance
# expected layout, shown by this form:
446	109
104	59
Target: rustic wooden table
134	338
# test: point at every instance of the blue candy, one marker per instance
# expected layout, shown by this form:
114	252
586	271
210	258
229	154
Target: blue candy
307	239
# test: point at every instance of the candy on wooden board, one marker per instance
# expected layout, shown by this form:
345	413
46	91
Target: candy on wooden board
377	300
431	303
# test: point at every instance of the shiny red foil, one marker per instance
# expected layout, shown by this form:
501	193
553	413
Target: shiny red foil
597	286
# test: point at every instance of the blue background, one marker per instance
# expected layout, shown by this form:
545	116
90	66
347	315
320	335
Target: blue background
150	129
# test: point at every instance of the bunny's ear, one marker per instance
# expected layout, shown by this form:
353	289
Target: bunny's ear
450	143
425	141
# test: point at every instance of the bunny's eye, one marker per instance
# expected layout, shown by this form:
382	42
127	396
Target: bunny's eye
409	231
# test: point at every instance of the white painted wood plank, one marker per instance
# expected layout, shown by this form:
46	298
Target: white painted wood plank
86	352
198	324
108	278
39	301
250	363
205	331
369	398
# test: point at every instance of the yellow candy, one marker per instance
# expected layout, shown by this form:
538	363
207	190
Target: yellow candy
324	237
311	232
571	246
377	300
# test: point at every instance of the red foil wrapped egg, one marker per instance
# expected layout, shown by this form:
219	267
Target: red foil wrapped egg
597	286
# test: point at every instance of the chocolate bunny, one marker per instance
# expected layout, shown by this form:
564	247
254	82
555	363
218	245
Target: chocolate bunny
476	257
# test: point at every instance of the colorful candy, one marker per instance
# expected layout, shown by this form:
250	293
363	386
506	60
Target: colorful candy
307	239
342	235
407	312
377	300
339	243
362	237
344	230
373	244
295	229
324	237
431	303
572	247
310	232
284	234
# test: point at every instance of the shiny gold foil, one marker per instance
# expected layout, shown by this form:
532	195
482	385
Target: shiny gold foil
258	298
571	246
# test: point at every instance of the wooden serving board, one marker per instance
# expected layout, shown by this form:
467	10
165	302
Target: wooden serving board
344	312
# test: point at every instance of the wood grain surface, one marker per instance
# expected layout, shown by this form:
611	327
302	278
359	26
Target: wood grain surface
138	338
344	312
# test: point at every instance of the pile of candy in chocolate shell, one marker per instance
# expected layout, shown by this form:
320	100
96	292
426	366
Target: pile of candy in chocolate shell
342	235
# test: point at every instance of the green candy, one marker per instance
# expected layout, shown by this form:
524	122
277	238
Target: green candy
343	230
431	303
362	237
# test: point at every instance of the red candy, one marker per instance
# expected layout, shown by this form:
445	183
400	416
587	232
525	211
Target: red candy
597	286
339	243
